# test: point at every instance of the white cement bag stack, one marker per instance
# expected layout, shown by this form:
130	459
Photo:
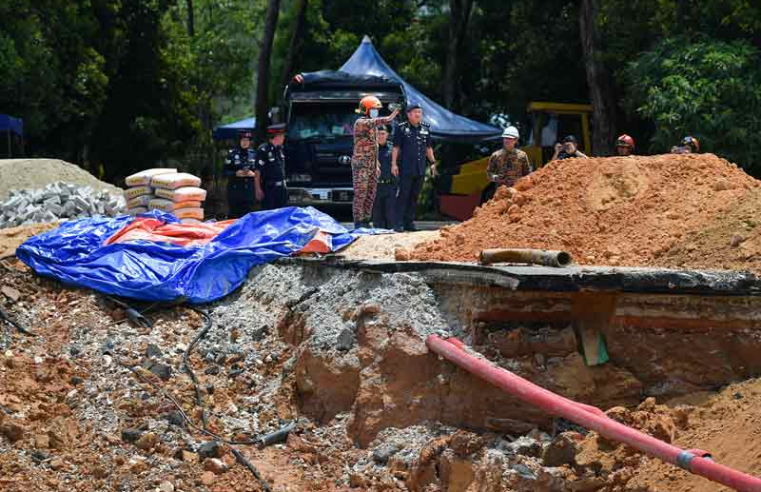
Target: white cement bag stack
166	190
139	192
179	193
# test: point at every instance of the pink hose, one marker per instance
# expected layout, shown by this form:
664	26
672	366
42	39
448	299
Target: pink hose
454	351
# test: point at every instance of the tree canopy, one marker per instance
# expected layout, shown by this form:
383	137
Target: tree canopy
116	86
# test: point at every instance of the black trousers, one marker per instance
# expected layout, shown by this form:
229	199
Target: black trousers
239	208
240	197
409	192
384	208
274	197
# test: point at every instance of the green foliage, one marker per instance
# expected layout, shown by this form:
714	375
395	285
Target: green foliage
707	88
125	85
527	51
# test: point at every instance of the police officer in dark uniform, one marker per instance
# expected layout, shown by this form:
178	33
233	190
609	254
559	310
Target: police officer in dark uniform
270	165
412	145
384	208
240	171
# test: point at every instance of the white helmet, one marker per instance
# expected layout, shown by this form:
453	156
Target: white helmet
510	132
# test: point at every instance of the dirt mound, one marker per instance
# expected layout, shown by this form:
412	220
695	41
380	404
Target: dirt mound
384	246
732	242
725	424
36	173
12	237
632	211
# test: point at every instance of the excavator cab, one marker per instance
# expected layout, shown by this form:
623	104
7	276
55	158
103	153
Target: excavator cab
548	123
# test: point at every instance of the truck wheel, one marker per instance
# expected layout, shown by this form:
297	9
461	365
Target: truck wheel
488	193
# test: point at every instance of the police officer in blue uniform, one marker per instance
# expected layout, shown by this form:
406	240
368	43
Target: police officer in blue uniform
240	171
270	166
412	147
384	208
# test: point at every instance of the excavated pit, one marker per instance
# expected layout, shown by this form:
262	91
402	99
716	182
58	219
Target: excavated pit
600	336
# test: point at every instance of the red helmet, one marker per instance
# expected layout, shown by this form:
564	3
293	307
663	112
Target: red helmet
367	103
625	141
691	142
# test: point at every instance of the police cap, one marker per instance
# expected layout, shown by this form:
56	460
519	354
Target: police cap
244	134
413	106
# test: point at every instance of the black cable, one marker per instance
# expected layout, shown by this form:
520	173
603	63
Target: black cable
199	401
186	362
243	461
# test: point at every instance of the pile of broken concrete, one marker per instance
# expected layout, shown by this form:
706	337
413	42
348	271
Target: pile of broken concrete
58	201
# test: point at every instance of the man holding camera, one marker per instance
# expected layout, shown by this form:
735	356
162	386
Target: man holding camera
509	164
569	149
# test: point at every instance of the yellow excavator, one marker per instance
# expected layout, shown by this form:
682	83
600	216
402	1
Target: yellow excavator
548	123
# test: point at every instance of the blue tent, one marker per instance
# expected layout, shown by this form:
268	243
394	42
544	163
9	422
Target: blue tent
445	124
230	131
11	125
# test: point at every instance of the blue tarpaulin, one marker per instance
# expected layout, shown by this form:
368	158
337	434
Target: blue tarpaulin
230	131
11	124
445	124
145	270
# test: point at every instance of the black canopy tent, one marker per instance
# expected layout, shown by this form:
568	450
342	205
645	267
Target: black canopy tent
366	68
445	125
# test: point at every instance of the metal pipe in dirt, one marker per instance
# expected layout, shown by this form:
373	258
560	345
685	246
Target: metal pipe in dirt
694	461
532	256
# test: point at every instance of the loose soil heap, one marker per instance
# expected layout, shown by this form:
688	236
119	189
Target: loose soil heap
384	246
12	237
37	173
683	211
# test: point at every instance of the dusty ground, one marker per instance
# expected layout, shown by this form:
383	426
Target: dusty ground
66	402
12	237
36	173
384	246
691	211
342	355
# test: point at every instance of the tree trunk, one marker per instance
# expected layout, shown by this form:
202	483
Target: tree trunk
263	77
598	79
459	17
191	18
296	40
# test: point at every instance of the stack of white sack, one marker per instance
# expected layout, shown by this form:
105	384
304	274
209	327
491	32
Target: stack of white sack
179	194
139	192
166	190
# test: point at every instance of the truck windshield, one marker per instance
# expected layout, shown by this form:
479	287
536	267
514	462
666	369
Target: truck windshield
321	121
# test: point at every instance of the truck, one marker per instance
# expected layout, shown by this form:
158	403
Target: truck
320	111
